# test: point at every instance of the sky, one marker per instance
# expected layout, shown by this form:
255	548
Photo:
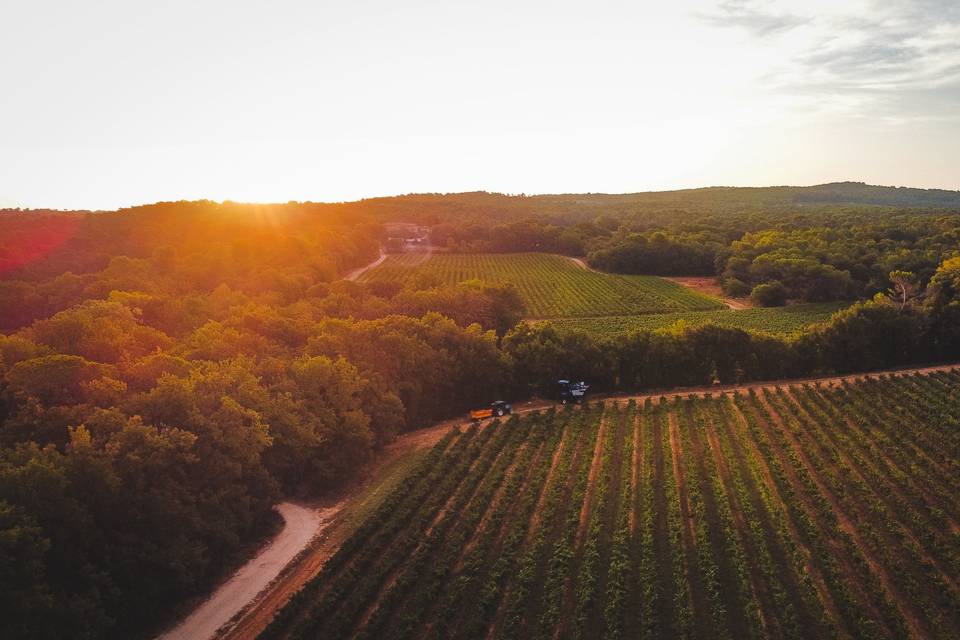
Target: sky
105	104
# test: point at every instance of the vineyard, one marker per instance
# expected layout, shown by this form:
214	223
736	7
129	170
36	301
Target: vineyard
797	512
779	320
551	286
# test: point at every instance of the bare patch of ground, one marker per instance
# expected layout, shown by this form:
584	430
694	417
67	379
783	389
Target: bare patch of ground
710	287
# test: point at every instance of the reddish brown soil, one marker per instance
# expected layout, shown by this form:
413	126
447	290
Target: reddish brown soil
813	571
881	494
636	469
761	595
591	484
847	526
697	596
534	522
256	616
710	287
585	512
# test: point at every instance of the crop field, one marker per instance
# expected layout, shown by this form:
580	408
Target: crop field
551	286
800	512
778	320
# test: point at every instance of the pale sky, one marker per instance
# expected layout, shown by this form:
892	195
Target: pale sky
113	103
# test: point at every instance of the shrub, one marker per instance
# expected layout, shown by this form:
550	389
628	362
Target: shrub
769	294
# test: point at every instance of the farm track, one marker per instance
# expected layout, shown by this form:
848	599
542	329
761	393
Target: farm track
359	271
774	582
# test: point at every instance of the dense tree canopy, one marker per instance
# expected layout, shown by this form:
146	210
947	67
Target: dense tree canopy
167	373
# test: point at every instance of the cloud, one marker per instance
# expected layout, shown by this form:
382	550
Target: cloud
896	59
753	17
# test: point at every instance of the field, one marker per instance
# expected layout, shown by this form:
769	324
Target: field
779	320
551	286
800	512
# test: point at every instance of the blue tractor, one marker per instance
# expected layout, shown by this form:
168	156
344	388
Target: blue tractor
572	392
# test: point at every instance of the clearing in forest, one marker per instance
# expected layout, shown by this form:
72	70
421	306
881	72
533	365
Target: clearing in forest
776	320
809	511
551	286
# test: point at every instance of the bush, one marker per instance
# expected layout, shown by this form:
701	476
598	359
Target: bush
770	294
735	288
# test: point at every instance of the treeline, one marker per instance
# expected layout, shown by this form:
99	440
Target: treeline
867	336
659	253
815	253
154	404
50	261
136	465
842	262
839	257
656	209
518	236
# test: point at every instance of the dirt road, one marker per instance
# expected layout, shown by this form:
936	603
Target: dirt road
260	605
710	287
356	273
259	609
300	524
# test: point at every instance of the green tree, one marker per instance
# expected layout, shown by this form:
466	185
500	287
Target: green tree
769	294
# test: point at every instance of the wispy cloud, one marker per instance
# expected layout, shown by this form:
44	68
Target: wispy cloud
754	16
894	59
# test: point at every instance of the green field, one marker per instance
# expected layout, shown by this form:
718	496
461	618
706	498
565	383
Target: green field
778	320
551	286
801	513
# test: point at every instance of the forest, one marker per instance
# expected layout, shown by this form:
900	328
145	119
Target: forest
168	372
812	253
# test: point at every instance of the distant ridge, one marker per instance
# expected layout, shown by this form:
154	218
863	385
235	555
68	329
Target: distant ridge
719	197
857	193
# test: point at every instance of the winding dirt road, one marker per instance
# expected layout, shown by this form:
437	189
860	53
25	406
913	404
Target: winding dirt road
300	524
356	273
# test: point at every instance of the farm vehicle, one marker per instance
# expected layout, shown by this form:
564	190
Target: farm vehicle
571	392
496	409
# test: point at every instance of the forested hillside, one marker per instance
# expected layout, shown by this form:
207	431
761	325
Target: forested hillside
168	372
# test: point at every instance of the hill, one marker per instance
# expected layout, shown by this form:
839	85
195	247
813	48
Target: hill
571	208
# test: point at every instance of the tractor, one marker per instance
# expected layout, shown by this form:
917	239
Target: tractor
572	392
497	409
